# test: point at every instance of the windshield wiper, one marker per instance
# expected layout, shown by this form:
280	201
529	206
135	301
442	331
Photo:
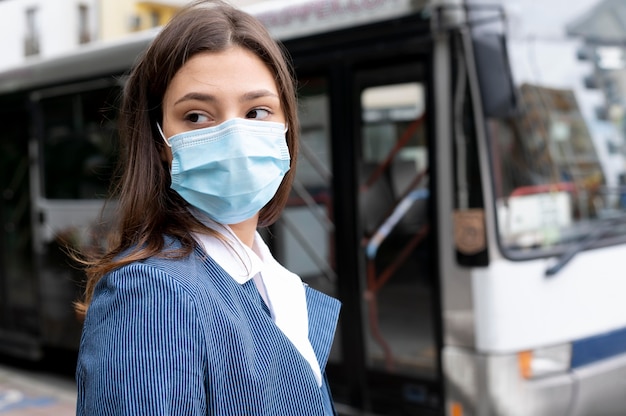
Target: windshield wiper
600	230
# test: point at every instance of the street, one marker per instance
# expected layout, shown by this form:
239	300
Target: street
35	393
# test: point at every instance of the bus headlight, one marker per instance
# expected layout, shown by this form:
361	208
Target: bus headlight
545	361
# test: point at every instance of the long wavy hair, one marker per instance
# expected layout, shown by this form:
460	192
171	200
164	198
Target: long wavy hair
147	208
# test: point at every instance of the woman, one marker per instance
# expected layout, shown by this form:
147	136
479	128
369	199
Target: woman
189	313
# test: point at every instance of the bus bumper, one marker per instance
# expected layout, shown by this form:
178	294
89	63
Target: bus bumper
492	385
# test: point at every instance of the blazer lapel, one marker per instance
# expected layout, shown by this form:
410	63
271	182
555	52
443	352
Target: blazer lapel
323	313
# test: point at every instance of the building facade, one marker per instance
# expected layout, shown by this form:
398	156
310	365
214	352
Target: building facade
118	18
33	29
602	32
40	28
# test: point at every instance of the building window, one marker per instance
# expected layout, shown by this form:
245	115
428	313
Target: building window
84	35
31	41
155	18
134	23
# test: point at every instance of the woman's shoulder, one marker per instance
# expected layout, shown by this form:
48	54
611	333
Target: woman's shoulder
169	268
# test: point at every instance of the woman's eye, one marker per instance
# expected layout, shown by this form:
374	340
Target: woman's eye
258	113
196	118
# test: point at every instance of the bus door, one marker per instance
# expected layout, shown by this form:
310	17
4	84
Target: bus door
73	148
380	262
398	270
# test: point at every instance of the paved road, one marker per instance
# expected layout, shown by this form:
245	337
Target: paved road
31	393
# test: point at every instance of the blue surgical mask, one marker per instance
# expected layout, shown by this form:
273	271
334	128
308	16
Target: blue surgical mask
232	170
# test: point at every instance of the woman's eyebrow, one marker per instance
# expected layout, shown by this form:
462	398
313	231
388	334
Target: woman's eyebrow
248	96
252	95
196	96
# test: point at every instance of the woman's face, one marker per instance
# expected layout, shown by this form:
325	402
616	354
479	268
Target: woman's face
213	87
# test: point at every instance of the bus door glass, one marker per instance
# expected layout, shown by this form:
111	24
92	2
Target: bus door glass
398	276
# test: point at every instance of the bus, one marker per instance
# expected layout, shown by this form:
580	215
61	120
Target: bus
461	189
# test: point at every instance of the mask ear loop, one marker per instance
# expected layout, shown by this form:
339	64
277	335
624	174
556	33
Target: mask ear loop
163	135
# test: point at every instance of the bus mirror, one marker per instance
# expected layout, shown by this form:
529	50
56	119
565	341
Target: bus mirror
494	75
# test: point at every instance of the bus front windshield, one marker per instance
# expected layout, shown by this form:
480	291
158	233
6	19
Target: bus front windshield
559	162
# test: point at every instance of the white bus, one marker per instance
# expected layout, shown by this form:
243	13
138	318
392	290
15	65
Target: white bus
461	189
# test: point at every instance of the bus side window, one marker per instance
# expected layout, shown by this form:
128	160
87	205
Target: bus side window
78	145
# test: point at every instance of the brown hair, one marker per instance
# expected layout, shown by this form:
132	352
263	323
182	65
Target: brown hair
147	208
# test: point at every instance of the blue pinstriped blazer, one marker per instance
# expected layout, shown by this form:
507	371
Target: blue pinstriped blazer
181	337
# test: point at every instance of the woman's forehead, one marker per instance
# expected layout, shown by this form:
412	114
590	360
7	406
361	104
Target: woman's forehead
235	70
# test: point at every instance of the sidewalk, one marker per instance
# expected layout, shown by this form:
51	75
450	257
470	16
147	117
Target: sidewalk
24	393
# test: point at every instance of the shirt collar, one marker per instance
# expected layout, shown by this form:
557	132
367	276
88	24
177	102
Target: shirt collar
236	258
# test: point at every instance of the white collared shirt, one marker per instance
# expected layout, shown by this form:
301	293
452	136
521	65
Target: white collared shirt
282	290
